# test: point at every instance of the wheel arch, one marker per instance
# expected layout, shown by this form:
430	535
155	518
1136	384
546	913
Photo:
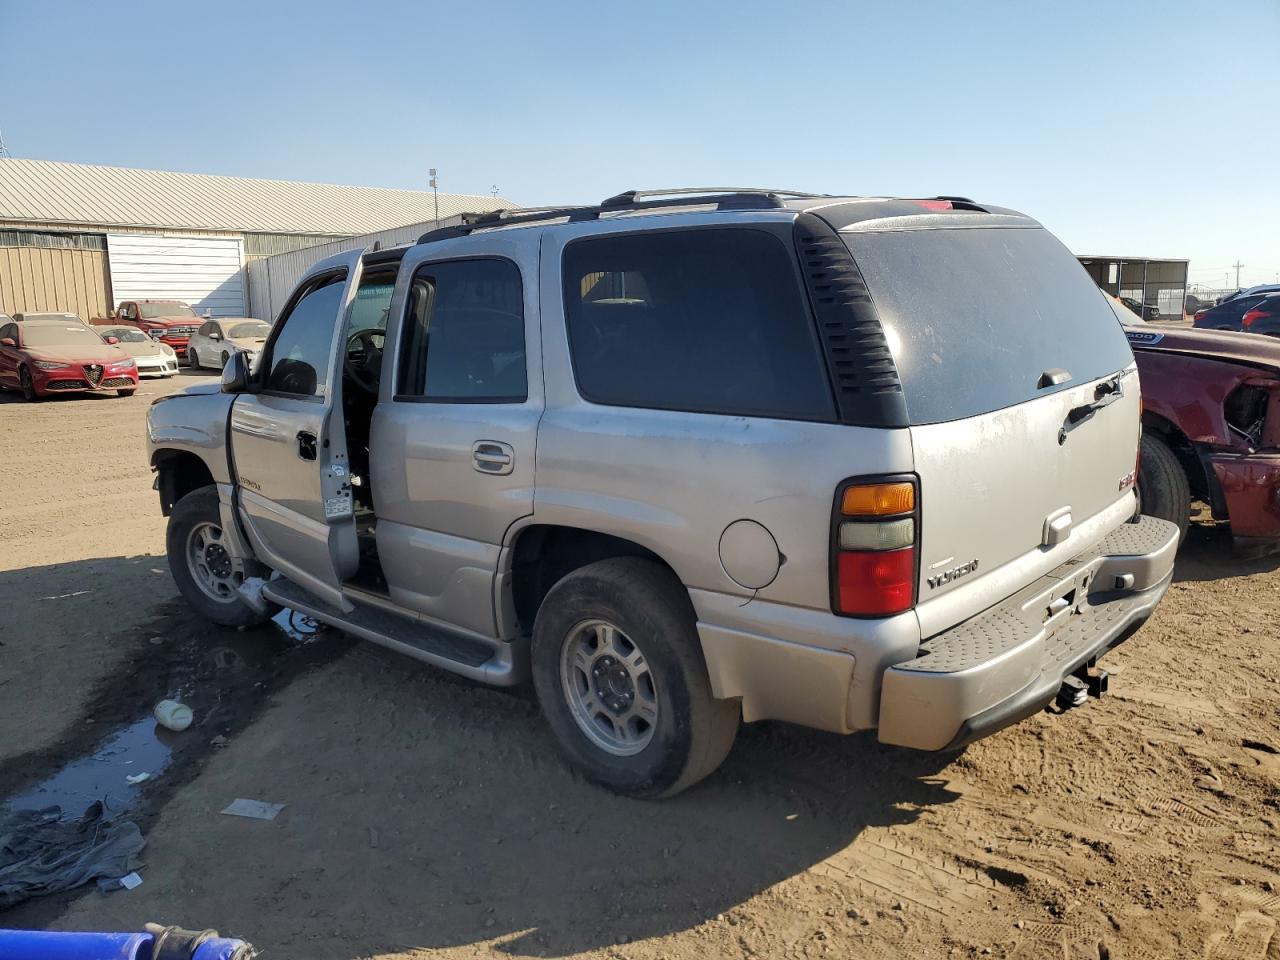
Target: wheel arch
540	555
1203	481
179	472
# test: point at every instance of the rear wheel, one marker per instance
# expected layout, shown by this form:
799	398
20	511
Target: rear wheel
193	360
206	574
28	386
620	676
1163	484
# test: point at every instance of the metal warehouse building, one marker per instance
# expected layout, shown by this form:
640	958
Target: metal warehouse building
1158	283
81	238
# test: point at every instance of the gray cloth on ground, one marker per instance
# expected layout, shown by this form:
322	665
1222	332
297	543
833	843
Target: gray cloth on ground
42	853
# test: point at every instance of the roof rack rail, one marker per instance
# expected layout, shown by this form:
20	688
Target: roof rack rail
725	198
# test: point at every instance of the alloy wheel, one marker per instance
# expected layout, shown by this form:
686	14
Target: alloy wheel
609	687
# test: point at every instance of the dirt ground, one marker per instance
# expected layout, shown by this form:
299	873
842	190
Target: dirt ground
430	817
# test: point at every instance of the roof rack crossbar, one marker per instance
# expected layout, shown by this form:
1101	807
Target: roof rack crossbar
735	198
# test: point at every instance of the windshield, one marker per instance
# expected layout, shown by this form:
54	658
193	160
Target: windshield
165	308
126	335
57	335
255	330
975	316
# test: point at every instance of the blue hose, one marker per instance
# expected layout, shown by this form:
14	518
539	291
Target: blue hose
48	945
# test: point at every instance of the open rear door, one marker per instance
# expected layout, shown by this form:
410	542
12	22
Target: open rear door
288	442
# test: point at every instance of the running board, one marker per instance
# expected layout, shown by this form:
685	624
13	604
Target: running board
494	662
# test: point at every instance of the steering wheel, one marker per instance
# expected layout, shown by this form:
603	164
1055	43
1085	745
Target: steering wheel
363	359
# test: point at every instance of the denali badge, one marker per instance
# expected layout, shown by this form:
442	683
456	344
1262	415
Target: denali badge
955	573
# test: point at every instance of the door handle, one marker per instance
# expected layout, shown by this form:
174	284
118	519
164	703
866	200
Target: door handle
306	445
492	456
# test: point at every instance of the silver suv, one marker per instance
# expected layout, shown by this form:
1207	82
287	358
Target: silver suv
691	458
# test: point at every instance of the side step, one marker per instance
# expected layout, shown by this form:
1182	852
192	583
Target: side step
494	662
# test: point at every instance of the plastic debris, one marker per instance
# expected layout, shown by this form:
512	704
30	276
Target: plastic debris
138	777
173	715
130	880
254	809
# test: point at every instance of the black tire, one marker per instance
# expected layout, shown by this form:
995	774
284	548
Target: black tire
693	731
1163	484
225	358
197	508
193	361
28	387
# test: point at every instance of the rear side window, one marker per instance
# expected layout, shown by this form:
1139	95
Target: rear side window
974	316
463	338
705	321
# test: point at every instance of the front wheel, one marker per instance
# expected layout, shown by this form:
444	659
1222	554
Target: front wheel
28	386
225	358
1163	486
206	575
192	360
620	675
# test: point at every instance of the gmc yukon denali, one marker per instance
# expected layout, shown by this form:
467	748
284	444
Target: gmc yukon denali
689	458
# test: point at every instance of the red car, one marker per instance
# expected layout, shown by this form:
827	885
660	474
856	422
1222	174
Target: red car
1211	428
169	321
40	357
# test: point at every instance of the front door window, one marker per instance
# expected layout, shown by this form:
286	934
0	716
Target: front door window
300	353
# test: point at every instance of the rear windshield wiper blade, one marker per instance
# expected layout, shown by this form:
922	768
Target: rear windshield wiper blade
1104	394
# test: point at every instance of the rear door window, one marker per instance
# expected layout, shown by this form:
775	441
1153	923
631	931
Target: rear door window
463	339
974	316
705	321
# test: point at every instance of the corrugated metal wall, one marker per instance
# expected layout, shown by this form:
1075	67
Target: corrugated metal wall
54	279
272	279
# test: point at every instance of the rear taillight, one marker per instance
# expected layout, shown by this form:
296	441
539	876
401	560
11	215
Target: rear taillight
1200	314
873	547
1252	316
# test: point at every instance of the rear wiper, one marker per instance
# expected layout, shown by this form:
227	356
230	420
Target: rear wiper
1104	394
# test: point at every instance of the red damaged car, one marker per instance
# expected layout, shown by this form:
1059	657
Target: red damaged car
1211	428
40	357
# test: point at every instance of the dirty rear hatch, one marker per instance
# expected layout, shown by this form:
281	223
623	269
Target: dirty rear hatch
1002	343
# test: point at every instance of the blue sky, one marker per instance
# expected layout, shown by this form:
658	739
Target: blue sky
1138	128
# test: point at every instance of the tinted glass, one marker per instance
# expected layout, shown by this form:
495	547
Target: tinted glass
710	321
9	331
300	354
165	308
464	333
975	316
249	330
370	308
57	334
126	334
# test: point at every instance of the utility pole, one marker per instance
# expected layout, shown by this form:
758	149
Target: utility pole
1237	265
435	195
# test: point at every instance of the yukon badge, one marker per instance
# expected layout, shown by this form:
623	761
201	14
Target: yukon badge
955	573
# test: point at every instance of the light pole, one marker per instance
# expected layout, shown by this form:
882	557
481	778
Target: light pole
435	195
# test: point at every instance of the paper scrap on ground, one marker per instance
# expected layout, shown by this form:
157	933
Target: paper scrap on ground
138	777
129	881
256	809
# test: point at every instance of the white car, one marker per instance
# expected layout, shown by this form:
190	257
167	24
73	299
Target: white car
154	359
216	340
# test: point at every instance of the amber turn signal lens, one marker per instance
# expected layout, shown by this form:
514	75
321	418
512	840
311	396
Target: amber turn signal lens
878	499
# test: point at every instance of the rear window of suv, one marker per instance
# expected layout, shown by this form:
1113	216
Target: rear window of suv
975	315
703	321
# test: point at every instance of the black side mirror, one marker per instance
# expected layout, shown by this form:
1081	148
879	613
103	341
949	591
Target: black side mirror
235	374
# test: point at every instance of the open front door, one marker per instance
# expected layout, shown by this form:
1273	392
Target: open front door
288	442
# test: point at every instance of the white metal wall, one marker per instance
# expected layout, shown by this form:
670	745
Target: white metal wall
272	279
206	272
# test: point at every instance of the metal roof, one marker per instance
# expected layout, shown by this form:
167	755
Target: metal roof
51	192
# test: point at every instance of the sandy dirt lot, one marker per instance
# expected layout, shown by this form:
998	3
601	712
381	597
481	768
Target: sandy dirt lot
429	817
